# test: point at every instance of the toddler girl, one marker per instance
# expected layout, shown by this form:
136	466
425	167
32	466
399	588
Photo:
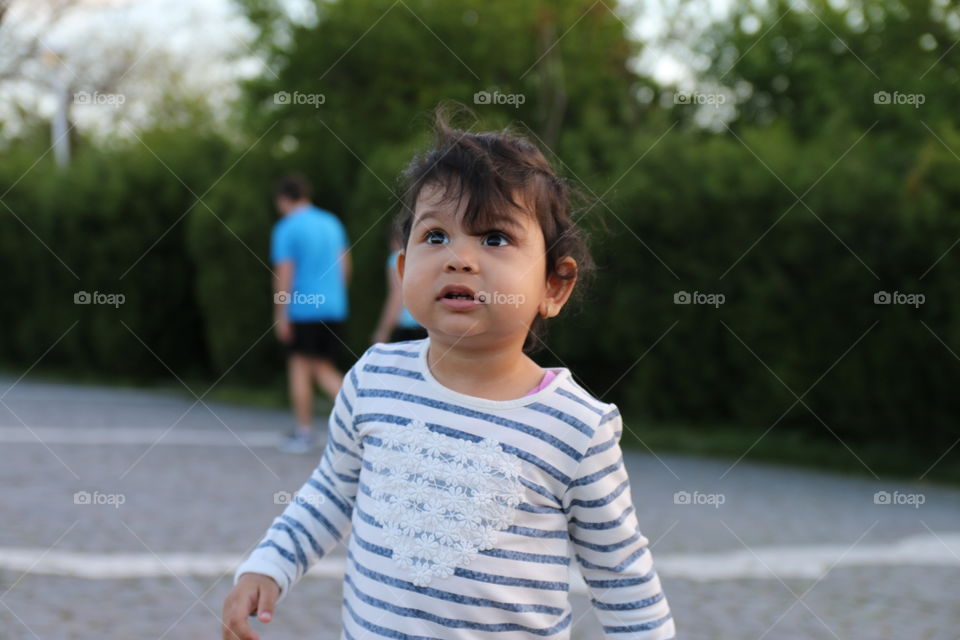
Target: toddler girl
461	476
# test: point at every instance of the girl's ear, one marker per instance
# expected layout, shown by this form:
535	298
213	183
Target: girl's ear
401	263
559	289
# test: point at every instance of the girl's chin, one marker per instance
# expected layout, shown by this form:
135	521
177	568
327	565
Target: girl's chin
459	326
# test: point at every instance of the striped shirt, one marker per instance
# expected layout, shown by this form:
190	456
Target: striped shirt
461	515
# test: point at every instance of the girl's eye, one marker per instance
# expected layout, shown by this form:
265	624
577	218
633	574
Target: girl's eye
435	236
499	240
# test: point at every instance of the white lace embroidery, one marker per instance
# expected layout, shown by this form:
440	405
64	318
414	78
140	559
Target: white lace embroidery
441	499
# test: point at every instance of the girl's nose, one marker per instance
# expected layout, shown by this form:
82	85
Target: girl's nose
459	260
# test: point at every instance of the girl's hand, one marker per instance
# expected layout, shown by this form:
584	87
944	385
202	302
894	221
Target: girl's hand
253	594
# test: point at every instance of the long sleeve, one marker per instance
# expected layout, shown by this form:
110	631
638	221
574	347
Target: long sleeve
612	553
319	515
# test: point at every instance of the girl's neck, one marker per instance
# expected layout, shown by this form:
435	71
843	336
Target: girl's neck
501	373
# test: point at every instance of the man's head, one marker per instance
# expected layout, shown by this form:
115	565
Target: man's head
291	192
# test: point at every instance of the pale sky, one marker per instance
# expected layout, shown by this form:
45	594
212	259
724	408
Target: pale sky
206	42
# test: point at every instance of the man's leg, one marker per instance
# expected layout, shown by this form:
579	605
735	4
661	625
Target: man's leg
327	376
301	389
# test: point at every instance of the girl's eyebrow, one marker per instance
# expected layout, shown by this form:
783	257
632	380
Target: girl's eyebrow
428	214
506	222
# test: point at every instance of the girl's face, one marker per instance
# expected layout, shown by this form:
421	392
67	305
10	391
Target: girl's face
492	284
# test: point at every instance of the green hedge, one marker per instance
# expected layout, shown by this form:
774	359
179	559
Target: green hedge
798	299
112	224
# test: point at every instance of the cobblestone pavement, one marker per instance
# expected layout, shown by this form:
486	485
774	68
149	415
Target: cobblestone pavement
208	487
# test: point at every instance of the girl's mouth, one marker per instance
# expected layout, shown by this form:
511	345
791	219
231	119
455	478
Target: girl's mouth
459	302
456	292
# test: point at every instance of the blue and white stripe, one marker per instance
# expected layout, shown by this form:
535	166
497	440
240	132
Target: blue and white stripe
576	505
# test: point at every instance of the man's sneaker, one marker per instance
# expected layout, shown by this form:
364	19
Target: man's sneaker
297	443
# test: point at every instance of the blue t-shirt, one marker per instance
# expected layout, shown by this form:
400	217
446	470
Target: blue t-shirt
313	239
405	320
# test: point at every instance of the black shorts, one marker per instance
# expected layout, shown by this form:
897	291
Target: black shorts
316	339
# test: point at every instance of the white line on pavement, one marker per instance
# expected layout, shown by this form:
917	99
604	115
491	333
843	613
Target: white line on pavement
120	435
784	562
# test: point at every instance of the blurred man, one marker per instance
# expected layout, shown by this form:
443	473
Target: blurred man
312	264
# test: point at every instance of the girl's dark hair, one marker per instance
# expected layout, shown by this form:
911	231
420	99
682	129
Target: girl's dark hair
499	172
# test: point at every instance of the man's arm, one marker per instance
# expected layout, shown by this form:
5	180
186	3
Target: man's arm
347	263
282	283
391	308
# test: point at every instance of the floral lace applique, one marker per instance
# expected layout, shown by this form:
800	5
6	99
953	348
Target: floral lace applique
441	499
